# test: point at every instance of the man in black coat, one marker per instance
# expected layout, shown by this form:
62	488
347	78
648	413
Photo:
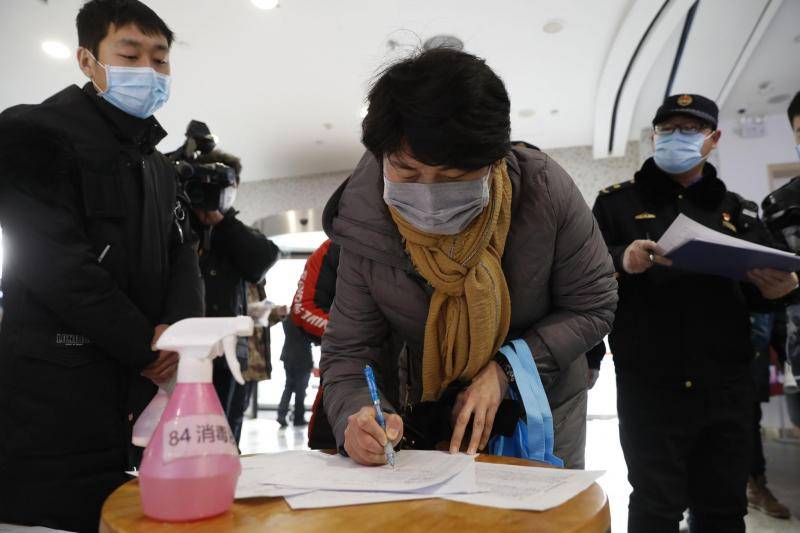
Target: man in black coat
99	261
231	255
681	340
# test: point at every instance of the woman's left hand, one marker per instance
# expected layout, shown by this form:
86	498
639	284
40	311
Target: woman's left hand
481	399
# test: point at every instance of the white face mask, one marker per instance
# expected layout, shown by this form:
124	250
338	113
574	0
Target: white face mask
138	91
439	208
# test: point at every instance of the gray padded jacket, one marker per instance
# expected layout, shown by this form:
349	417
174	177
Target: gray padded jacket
559	273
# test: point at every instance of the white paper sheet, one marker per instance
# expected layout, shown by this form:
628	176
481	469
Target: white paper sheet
414	470
250	483
684	229
463	482
334	498
526	488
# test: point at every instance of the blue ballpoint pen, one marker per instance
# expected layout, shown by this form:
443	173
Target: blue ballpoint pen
376	402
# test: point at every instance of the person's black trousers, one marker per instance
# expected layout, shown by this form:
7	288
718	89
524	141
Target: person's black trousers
758	463
686	449
234	398
296	383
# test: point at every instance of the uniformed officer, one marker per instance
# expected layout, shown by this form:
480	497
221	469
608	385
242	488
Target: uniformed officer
681	340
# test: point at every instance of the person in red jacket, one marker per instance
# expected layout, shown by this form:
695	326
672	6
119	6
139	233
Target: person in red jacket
315	291
309	317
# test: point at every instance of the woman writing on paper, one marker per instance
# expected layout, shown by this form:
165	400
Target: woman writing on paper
453	243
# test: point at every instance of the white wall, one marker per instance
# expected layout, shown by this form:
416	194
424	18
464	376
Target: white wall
743	162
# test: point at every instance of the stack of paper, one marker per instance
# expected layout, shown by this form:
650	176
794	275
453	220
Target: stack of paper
311	480
692	246
415	472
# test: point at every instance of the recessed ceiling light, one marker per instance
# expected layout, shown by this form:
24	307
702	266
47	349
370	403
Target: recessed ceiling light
364	110
327	126
526	113
779	98
554	111
265	4
553	26
56	49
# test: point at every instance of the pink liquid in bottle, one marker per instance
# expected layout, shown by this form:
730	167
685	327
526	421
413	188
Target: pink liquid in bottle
191	466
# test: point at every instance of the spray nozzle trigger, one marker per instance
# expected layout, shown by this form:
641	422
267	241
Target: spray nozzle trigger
199	340
229	346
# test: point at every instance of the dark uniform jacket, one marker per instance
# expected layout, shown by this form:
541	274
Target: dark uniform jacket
673	327
98	252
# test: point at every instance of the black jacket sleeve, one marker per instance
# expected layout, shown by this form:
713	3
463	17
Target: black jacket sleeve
251	253
754	230
604	222
595	356
185	298
49	251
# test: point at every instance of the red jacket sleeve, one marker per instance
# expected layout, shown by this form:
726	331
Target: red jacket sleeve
306	314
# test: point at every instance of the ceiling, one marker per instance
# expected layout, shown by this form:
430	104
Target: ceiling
776	63
284	88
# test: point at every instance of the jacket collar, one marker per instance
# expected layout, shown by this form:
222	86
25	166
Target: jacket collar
707	193
144	133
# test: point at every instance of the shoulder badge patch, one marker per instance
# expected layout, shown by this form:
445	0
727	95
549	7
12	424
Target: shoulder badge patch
617	187
726	221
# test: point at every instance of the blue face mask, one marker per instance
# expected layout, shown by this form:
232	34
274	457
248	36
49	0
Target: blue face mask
798	150
138	91
678	152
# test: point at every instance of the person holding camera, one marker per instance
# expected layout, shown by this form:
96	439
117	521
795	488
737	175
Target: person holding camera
100	261
231	255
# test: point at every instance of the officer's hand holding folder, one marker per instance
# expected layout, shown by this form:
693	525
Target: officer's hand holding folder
694	247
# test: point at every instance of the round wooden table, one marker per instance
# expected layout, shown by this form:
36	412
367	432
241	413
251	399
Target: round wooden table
588	511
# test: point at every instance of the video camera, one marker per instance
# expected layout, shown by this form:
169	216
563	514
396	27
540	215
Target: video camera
208	185
782	214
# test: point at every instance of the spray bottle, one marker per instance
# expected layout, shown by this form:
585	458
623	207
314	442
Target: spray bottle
146	423
148	420
191	465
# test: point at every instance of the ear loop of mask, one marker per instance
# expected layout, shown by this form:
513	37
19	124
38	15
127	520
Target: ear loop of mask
705	157
99	90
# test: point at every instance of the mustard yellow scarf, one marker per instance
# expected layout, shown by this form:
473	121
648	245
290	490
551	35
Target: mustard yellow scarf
470	308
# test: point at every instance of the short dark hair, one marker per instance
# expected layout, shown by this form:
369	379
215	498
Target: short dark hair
794	108
96	16
218	156
446	107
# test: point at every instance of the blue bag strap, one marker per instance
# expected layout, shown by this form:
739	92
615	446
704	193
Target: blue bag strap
525	355
518	445
537	407
535	421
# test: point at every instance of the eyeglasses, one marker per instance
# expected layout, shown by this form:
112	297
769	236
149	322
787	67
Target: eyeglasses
688	129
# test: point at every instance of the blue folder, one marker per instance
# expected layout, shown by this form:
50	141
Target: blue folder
728	261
